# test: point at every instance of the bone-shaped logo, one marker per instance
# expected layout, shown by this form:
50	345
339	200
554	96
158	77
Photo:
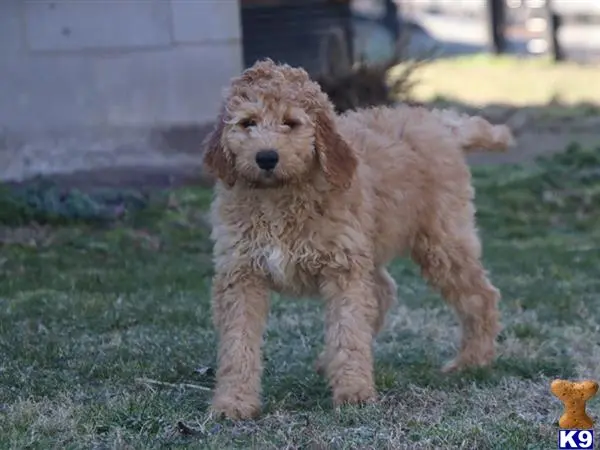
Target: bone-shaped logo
574	396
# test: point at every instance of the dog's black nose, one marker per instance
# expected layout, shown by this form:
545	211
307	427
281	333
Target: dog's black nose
267	159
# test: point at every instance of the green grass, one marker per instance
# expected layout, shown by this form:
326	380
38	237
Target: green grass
88	310
509	80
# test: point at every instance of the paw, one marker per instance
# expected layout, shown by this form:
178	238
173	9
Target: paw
354	395
467	359
235	407
456	365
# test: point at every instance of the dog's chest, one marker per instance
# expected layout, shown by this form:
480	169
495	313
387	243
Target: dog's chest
286	250
290	268
277	262
289	244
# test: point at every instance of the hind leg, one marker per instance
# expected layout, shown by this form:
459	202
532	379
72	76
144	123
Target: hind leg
385	290
450	260
386	294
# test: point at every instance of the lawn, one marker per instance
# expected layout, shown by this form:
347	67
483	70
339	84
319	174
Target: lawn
508	80
106	338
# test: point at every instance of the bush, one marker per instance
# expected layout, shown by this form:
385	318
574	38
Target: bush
43	202
366	85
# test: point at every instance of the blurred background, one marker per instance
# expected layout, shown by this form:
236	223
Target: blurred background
123	92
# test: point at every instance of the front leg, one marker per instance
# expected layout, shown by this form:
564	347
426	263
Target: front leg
348	357
240	309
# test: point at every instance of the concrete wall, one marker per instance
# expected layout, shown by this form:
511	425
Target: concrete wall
83	79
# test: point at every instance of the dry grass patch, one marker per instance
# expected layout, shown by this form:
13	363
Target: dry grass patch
481	80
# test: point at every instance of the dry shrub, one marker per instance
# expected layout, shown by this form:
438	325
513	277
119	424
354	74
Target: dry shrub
364	85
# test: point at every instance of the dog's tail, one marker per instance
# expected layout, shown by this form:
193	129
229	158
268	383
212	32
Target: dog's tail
476	133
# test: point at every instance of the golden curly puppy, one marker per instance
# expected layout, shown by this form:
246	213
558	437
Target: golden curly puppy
310	203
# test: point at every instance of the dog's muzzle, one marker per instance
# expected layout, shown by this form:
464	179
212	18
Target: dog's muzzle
267	159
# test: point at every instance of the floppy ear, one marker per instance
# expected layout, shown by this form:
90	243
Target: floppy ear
336	158
217	159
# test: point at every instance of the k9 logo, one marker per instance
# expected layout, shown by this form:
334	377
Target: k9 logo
575	439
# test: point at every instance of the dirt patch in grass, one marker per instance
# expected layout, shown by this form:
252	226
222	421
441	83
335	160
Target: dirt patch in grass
86	310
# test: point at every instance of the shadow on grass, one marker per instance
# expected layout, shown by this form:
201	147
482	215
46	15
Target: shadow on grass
427	373
304	390
423	369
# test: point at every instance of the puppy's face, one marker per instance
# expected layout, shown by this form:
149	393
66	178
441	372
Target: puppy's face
272	142
277	127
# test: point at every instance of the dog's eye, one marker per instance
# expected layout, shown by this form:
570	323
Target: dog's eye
291	123
247	123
